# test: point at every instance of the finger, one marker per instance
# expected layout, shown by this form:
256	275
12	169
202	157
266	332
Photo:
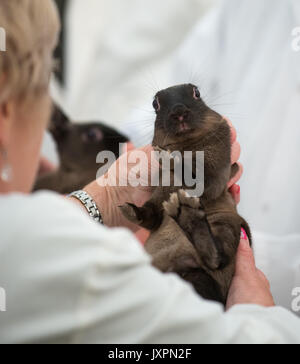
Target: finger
153	163
235	152
232	129
147	149
142	235
129	146
235	191
237	177
245	262
264	278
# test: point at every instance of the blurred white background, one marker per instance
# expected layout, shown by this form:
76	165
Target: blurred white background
118	52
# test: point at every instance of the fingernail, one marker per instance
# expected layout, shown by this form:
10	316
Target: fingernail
244	234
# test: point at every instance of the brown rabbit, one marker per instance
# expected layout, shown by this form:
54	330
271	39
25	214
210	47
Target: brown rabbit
194	237
77	146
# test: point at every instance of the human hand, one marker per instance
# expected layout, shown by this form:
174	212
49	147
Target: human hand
115	188
109	193
249	285
235	189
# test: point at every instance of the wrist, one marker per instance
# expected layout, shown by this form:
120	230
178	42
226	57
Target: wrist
89	204
108	199
101	197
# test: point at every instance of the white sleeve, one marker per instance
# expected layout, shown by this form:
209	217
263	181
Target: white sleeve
69	280
279	258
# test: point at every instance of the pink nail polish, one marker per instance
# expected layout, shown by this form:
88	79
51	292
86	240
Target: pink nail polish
244	235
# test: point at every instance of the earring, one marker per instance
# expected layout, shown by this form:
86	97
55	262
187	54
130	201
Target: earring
6	171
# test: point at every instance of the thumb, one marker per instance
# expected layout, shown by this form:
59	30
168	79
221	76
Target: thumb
245	262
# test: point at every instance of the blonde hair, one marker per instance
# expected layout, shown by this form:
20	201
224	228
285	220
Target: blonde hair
31	28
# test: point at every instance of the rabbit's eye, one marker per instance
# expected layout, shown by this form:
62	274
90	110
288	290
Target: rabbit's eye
156	104
197	94
93	135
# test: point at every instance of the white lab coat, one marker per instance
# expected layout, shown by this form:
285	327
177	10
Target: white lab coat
242	58
70	280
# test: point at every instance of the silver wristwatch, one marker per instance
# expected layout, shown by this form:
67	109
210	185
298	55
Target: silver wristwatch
89	204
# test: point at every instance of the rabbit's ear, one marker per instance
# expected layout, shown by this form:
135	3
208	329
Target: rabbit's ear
59	117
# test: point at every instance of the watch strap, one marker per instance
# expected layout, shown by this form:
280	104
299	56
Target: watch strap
89	204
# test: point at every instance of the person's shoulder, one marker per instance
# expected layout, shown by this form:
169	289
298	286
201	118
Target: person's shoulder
53	256
47	220
19	205
21	212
